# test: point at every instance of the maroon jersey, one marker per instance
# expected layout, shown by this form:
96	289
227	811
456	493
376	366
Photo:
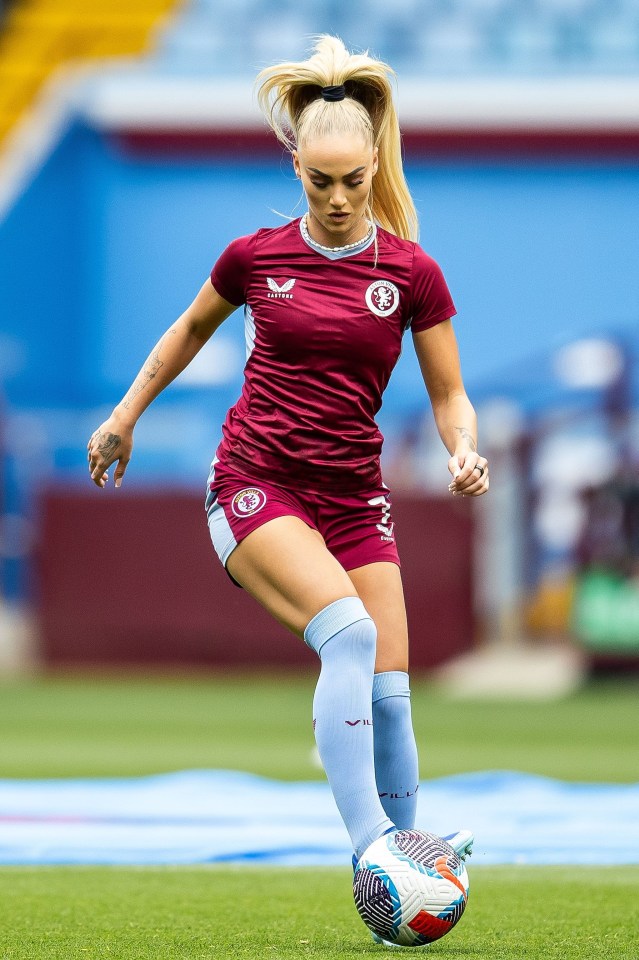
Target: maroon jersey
323	332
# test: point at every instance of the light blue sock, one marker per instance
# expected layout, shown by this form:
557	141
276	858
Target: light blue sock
344	637
396	765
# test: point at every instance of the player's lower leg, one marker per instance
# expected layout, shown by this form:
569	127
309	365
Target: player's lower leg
344	637
396	765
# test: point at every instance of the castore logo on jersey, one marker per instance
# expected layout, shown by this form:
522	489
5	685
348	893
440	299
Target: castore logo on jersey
280	291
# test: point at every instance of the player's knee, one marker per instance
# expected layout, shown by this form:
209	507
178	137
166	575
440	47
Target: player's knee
345	620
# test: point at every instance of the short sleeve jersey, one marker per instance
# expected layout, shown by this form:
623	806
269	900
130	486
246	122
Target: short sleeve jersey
323	336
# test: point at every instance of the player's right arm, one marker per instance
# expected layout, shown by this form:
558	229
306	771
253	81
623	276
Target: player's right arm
113	440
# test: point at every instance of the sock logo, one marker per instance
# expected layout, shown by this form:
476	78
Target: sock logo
365	723
400	796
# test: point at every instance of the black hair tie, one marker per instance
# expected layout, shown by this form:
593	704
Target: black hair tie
333	94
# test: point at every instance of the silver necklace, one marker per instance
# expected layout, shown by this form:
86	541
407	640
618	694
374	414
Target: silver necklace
320	246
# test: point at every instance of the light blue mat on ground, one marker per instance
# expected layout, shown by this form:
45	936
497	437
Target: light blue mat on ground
214	816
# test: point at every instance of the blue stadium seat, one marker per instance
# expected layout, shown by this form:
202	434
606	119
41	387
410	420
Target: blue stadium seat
443	37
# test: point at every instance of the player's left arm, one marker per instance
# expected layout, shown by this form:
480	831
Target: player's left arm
455	417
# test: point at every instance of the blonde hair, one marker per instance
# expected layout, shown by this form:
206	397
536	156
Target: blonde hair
290	96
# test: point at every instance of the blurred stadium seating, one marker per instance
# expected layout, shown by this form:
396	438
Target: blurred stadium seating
419	37
434	36
522	135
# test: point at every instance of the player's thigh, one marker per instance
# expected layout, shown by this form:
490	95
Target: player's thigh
379	585
286	566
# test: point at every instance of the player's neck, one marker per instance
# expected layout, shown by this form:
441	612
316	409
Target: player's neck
324	239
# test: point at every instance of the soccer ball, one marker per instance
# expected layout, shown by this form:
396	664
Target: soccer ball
410	887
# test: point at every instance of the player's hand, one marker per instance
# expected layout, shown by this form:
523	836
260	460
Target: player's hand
470	474
112	442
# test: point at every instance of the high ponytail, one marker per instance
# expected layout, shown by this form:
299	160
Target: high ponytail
290	96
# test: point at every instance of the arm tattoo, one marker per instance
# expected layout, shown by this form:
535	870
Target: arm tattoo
465	435
107	444
149	371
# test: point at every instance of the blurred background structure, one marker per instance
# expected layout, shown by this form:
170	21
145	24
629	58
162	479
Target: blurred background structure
131	153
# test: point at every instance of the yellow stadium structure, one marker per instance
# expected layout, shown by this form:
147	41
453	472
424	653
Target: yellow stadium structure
36	36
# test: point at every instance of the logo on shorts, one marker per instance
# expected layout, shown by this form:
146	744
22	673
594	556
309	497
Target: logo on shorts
248	501
382	297
386	526
280	291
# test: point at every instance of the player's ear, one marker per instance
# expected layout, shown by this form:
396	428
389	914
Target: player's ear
375	159
296	164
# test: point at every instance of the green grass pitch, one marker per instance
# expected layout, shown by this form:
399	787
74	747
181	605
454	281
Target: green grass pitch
81	726
100	726
193	913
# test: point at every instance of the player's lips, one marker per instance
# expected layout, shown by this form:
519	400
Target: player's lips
338	217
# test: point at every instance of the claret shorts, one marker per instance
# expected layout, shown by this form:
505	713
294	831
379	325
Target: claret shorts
357	527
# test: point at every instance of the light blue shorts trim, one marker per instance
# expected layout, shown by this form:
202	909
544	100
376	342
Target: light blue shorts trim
219	527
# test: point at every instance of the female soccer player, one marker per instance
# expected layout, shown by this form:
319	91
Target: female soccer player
296	505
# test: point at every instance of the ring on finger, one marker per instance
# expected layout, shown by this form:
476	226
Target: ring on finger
482	470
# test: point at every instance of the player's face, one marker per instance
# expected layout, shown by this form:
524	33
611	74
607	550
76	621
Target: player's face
336	173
